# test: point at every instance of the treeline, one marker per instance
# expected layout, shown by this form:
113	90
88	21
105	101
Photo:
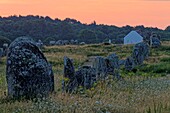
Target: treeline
47	29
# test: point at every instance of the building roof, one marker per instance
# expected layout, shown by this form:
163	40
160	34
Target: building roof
132	38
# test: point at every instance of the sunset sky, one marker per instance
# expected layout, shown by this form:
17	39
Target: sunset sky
155	13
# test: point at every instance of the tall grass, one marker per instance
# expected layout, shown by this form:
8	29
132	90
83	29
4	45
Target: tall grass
142	91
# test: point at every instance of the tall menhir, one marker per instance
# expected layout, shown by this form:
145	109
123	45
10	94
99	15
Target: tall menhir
28	73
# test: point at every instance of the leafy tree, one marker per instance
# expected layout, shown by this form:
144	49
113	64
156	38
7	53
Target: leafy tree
88	36
39	27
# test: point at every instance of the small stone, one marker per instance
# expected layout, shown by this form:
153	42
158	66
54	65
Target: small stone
129	64
155	41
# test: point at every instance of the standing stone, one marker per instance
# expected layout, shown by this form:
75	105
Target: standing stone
86	76
28	73
140	53
112	62
146	50
101	67
129	64
5	49
90	61
68	68
69	83
155	40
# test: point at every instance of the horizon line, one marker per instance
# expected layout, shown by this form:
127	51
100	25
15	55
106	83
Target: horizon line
17	15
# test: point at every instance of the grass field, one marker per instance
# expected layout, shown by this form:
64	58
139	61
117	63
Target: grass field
145	91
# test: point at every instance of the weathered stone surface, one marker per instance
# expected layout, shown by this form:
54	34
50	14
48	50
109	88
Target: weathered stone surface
28	73
5	49
140	52
121	62
112	62
69	70
101	67
129	64
90	61
95	69
99	63
69	83
155	40
86	76
114	58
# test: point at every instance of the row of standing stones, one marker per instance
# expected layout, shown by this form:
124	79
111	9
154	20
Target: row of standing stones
29	74
87	75
99	67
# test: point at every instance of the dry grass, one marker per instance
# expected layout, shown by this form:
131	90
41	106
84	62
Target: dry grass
137	93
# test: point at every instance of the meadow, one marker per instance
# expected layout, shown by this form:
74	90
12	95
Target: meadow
147	90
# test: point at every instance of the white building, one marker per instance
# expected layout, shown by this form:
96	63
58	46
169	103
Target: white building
132	38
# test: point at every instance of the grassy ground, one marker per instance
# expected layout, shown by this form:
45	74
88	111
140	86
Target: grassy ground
145	91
